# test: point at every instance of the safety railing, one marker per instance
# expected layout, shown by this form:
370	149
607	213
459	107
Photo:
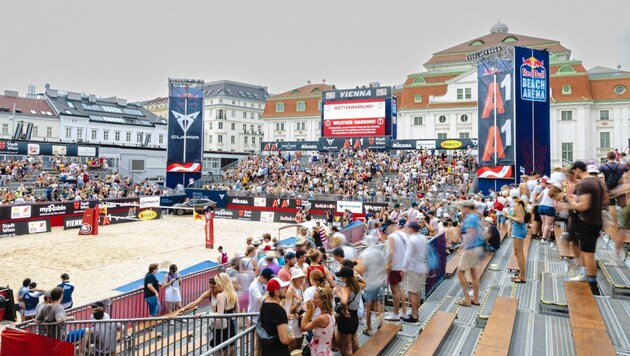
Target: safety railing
203	333
133	305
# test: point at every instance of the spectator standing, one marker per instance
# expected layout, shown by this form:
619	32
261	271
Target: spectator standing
588	202
151	290
348	318
172	293
274	320
289	261
472	253
519	232
613	173
394	265
293	305
68	289
223	256
323	325
257	290
31	299
21	293
227	303
373	273
416	268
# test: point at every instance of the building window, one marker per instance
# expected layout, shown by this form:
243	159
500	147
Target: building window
604	115
260	129
245	140
464	135
5	129
279	126
161	139
253	141
441	135
251	115
319	105
209	138
221	114
279	107
619	89
464	118
105	135
94	133
128	136
139	137
233	139
35	131
244	114
417	98
567	151
468	93
220	138
49	131
220	101
566	115
79	133
442	119
300	106
460	94
251	128
220	126
604	139
233	126
68	132
117	136
418	121
566	89
210	128
232	113
258	116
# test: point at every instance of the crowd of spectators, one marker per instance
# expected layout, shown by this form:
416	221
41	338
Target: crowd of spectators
66	180
362	174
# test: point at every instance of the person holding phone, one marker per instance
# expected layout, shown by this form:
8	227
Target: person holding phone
172	294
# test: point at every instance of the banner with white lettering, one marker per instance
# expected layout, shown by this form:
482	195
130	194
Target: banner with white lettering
532	110
496	113
185	132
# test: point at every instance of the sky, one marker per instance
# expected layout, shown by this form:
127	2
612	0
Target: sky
130	48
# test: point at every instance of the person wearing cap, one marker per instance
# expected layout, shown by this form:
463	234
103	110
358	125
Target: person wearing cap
293	305
472	253
68	289
534	199
547	208
257	290
394	216
289	261
273	318
415	267
492	234
103	335
348	317
588	203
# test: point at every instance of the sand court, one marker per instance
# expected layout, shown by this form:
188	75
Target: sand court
120	253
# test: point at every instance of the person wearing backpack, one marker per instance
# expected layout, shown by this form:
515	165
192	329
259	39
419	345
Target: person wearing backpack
613	173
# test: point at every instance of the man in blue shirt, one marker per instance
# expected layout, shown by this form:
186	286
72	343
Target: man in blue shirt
68	289
473	251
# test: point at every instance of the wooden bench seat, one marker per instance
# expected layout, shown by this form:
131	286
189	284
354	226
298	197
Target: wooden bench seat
497	335
590	336
378	342
451	265
481	267
432	335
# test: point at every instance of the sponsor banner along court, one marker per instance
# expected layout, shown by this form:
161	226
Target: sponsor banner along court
15	228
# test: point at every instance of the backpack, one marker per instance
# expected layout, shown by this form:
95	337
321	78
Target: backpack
498	206
612	176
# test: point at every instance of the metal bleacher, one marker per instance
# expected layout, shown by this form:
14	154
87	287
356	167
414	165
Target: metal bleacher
542	324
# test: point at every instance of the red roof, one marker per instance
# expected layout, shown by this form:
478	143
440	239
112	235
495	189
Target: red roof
26	106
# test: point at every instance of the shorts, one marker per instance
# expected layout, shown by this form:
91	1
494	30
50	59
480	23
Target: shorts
75	335
519	230
537	214
588	235
373	295
394	278
348	325
470	258
546	210
622	219
574	235
416	282
501	219
153	304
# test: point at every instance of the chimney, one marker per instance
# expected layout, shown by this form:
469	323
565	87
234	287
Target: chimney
11	93
51	92
92	98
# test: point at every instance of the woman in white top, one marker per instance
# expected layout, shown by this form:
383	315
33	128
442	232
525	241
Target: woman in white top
248	264
172	294
547	208
293	305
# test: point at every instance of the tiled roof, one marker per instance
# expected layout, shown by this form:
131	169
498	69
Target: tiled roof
307	90
604	89
156	101
26	106
241	91
580	88
406	99
310	94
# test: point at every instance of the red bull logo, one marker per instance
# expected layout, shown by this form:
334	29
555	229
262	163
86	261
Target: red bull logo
533	79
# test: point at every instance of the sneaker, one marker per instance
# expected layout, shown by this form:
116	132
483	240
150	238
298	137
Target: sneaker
544	242
392	316
410	320
578	278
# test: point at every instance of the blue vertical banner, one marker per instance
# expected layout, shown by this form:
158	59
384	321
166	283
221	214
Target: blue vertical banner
185	132
496	112
531	104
